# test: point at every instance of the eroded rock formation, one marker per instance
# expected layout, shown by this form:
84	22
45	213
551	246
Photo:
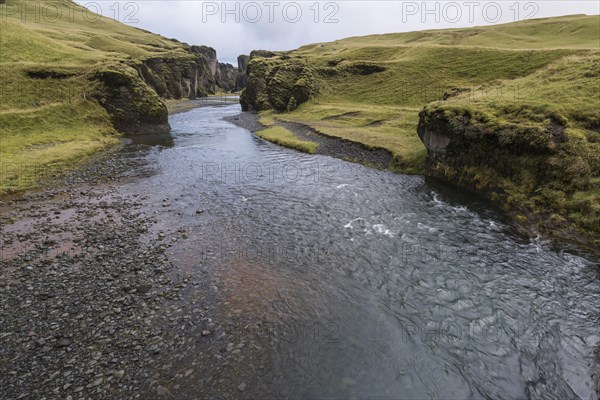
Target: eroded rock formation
240	83
277	82
133	92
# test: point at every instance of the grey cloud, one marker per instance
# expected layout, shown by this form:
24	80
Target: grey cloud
184	20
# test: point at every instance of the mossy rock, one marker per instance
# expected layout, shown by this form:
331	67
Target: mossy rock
134	107
536	166
277	81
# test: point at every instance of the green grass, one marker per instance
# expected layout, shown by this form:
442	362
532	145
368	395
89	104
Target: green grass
281	136
566	91
381	109
48	120
516	79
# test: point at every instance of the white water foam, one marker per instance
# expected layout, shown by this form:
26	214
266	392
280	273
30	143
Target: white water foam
349	224
426	227
382	230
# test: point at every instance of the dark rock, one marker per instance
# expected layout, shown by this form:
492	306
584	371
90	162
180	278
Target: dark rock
133	106
63	343
132	93
240	83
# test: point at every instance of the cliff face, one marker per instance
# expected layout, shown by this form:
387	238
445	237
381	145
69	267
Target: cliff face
226	76
277	82
535	172
174	78
222	76
133	92
134	107
240	82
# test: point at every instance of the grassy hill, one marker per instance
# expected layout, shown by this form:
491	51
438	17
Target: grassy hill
50	116
532	73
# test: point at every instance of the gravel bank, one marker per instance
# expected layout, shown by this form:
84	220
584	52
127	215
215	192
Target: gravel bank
92	306
341	148
246	120
328	145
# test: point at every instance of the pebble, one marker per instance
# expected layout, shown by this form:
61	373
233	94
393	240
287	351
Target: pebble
162	391
87	321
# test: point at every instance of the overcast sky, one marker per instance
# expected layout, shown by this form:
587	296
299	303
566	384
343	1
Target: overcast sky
234	28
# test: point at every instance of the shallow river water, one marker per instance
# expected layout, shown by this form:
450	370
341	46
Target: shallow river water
379	285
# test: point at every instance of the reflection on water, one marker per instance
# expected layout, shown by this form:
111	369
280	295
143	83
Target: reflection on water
367	284
157	139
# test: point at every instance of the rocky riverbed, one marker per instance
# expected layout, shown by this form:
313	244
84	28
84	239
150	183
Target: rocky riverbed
157	271
91	306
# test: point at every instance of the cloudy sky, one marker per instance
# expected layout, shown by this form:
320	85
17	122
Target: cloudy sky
234	28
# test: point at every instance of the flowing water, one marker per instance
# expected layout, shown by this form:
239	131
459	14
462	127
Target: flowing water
378	285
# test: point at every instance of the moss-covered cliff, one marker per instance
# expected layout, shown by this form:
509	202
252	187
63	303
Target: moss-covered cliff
275	82
538	157
135	98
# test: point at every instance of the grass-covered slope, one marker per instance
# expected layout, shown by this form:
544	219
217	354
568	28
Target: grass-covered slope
67	82
535	73
539	155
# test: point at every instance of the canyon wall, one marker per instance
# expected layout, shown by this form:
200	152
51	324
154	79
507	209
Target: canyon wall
133	91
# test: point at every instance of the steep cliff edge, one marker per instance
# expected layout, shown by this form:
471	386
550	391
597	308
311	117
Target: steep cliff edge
538	157
240	81
128	97
226	77
538	173
222	76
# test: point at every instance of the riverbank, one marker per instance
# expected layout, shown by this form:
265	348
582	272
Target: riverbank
92	304
71	88
530	223
513	118
327	145
140	275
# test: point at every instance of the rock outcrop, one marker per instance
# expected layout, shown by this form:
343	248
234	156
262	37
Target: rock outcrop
133	92
277	82
134	107
240	83
174	78
225	77
534	170
483	157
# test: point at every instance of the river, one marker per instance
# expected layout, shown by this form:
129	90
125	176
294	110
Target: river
359	283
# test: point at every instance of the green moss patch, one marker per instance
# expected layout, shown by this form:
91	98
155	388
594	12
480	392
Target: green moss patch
283	137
